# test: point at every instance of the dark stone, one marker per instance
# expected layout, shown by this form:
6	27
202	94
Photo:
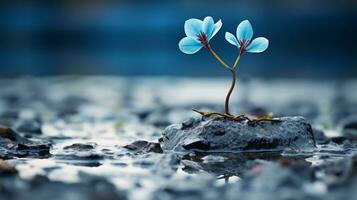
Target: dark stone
29	126
80	147
141	147
6	169
13	145
220	135
320	137
349	127
196	144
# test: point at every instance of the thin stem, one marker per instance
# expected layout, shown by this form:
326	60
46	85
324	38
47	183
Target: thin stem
226	107
237	59
218	58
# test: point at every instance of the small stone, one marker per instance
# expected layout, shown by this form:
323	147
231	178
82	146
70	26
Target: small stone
80	147
222	135
13	145
349	128
6	169
29	126
320	137
141	146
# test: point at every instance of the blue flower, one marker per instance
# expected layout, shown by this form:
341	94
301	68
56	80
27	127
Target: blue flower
198	33
243	39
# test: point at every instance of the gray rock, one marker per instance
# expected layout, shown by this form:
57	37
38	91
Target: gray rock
349	127
222	135
13	145
142	146
80	147
320	136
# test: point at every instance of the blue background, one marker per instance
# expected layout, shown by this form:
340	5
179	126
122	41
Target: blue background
309	39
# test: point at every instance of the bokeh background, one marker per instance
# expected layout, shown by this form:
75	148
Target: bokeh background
308	39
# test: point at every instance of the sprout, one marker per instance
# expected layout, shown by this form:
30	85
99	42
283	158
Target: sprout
198	35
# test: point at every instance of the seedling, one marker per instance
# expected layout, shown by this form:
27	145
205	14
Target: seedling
198	35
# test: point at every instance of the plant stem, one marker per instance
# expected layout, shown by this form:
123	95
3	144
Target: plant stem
237	59
233	70
218	58
226	106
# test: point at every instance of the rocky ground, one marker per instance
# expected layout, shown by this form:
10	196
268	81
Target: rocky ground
98	138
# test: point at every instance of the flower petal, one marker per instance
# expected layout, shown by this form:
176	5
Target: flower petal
217	27
189	45
232	39
193	27
244	31
208	26
258	45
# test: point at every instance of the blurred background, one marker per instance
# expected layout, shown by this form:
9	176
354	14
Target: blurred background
308	39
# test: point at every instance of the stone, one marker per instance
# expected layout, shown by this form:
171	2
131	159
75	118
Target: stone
13	145
80	147
141	146
6	169
349	127
224	135
29	126
320	136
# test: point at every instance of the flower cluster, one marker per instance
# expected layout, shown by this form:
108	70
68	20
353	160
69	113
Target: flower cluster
199	33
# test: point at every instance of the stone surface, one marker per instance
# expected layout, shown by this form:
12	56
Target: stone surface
349	127
141	146
13	145
320	137
213	134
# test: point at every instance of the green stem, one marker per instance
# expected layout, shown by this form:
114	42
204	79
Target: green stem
218	58
237	59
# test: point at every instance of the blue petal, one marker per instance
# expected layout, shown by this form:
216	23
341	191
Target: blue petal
244	31
231	39
193	27
217	27
208	27
258	45
189	45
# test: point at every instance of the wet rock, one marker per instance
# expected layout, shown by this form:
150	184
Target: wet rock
349	128
6	169
80	147
13	145
226	164
29	126
141	147
320	137
212	134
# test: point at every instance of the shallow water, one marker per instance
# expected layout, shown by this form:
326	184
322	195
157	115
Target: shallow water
108	113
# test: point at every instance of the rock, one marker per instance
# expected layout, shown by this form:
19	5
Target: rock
80	147
226	164
29	126
222	135
320	137
6	169
349	127
13	145
141	146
